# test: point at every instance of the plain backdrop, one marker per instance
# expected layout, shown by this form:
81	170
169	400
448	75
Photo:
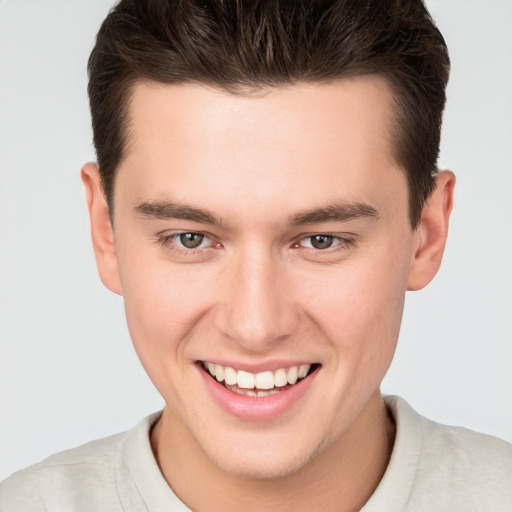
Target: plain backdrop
68	372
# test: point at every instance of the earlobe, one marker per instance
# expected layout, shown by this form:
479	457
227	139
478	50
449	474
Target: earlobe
102	232
430	235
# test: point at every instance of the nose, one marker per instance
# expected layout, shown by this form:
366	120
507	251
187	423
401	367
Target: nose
256	307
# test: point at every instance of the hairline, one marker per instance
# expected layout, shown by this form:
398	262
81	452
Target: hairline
258	89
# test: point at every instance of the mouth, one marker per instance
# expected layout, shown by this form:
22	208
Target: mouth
258	385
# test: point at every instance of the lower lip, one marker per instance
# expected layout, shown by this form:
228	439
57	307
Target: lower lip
256	408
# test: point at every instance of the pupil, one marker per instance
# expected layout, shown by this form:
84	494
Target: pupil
321	241
191	240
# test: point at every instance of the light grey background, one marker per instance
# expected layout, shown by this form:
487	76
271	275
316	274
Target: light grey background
68	373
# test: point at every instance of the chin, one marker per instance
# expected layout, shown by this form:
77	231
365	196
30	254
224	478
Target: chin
253	462
258	468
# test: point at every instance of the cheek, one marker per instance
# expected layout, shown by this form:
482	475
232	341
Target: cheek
163	308
162	300
359	307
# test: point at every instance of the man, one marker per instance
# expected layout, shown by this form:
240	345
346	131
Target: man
266	192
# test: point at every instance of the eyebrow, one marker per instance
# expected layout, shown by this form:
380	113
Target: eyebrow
334	212
170	210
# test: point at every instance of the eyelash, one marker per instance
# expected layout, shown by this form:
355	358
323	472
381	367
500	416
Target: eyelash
342	242
171	241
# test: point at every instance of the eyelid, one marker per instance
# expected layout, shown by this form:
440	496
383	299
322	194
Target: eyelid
344	240
169	239
176	238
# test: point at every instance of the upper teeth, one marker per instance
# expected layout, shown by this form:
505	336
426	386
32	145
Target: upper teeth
262	380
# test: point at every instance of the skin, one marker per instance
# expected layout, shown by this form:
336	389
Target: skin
258	291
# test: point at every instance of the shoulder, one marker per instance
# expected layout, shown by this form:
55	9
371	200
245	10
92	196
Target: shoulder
456	447
63	477
479	465
464	448
453	465
95	476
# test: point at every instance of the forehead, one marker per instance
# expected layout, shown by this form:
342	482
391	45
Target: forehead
275	115
296	139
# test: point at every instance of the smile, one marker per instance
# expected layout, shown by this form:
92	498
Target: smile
266	394
262	384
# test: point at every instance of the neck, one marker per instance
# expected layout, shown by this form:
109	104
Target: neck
342	477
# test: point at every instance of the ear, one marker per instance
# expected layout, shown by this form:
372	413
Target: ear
430	235
101	229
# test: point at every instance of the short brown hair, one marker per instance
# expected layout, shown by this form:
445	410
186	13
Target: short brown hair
238	45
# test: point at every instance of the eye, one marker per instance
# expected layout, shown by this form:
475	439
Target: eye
185	241
319	241
190	240
326	243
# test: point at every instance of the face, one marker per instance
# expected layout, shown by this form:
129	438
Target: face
265	240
